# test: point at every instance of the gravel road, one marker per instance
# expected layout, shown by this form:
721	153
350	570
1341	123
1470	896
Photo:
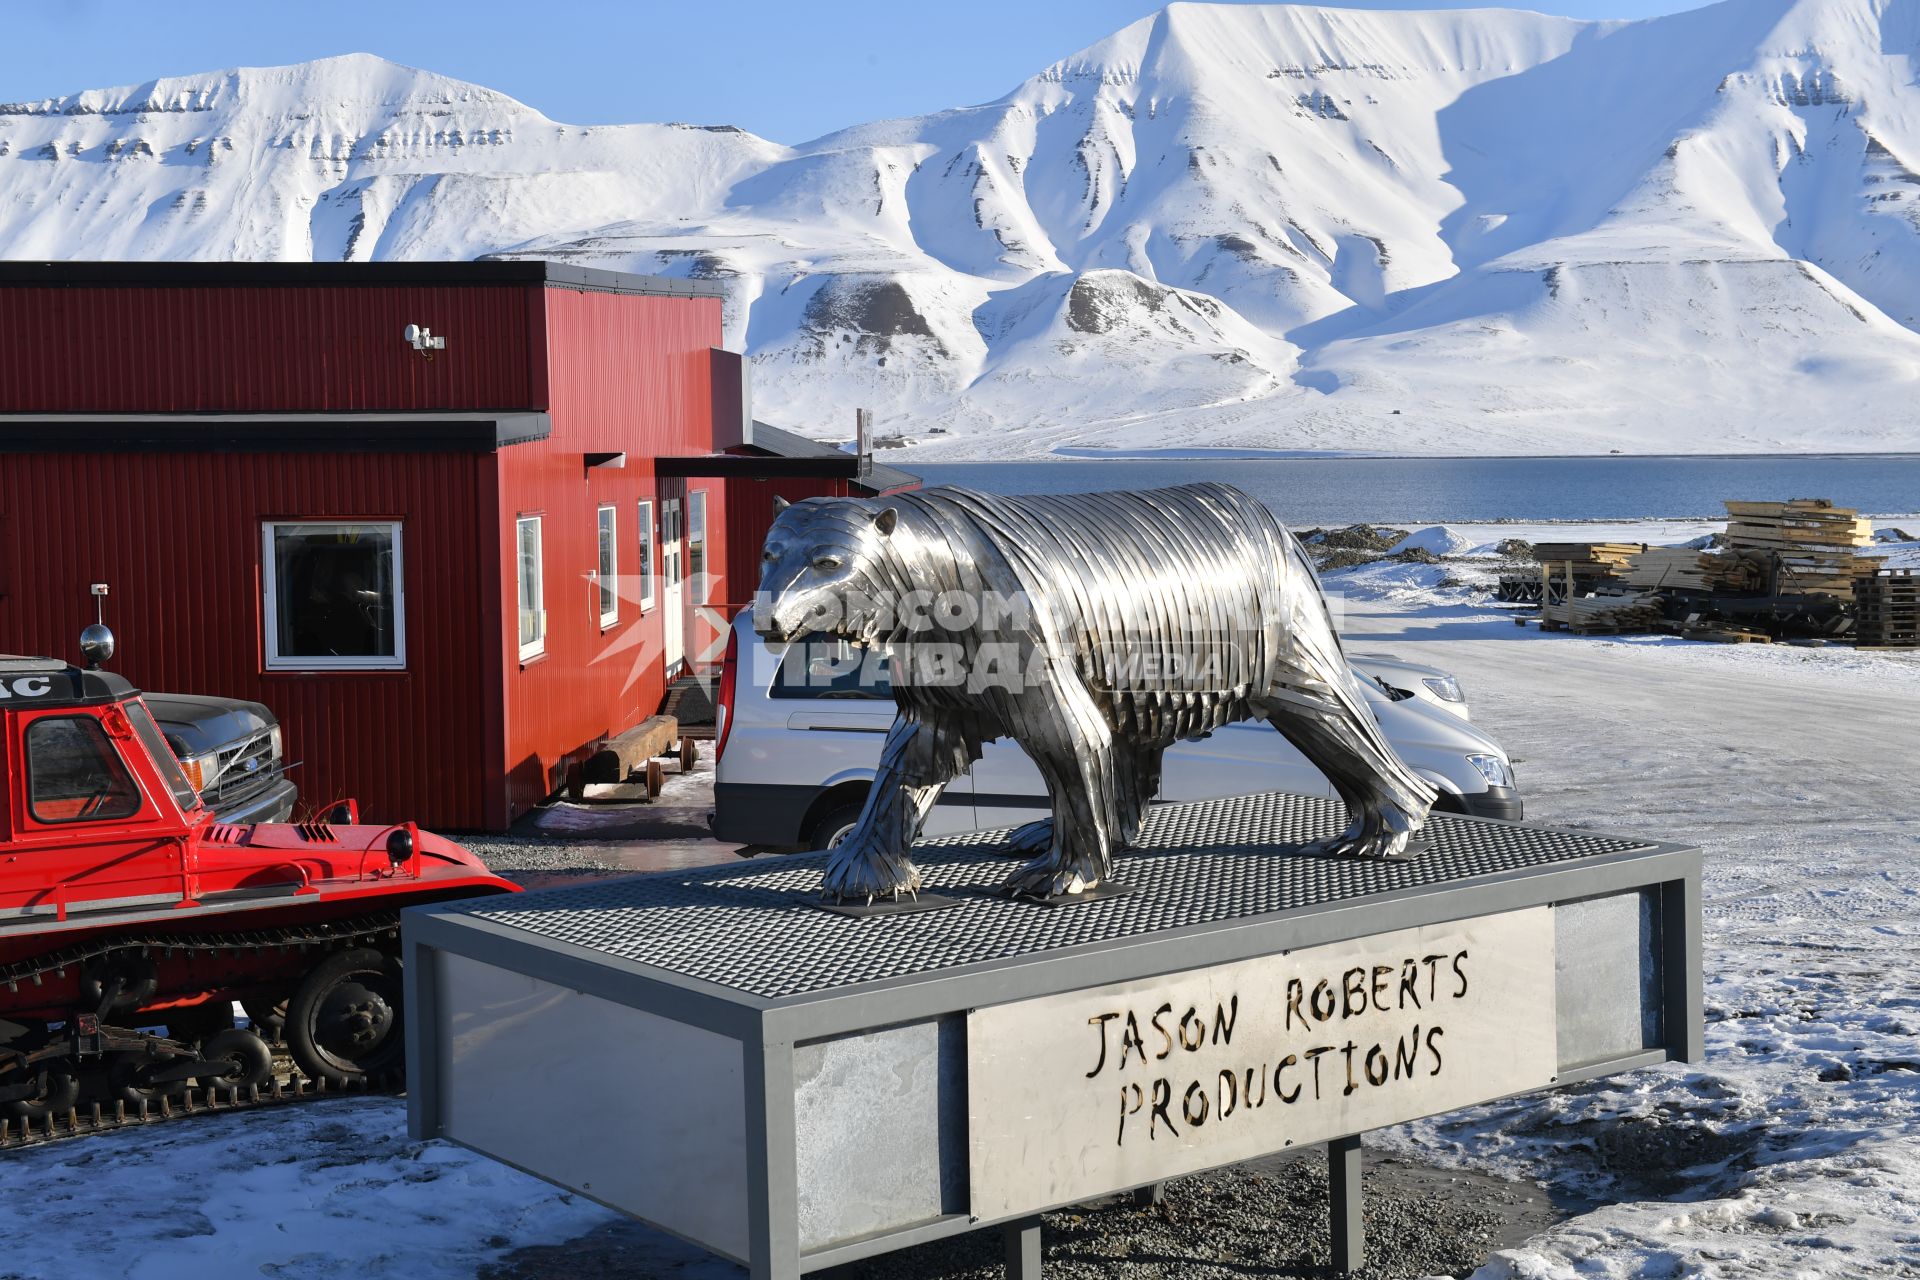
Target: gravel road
1268	1219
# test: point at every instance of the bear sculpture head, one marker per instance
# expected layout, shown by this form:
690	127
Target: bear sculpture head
825	570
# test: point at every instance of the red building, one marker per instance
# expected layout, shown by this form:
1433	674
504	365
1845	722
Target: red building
453	522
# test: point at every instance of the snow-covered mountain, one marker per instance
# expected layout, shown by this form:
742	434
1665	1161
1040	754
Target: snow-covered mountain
1225	225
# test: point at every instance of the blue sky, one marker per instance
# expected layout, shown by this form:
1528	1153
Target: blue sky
788	71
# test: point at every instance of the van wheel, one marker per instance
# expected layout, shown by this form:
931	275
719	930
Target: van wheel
835	825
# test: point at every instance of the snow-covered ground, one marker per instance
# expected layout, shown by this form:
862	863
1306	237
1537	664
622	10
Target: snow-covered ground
311	1191
1792	1150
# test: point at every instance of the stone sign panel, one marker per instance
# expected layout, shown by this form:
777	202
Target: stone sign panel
1078	1095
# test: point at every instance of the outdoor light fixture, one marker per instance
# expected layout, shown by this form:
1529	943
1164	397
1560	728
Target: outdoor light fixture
422	339
400	845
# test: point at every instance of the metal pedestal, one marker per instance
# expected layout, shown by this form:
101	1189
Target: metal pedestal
1344	1226
1023	1249
796	1089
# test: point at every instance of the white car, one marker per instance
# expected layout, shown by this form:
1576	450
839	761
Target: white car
1431	685
800	727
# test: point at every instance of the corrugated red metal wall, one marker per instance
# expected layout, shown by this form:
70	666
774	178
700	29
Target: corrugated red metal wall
750	514
178	539
236	348
628	374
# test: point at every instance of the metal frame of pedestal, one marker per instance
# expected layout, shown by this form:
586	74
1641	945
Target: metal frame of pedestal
453	1093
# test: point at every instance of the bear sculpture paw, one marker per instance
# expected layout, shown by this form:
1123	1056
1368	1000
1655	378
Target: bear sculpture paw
1374	838
1045	878
859	870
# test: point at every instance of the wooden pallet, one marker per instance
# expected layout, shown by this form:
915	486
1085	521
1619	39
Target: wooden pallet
1725	635
1591	628
1886	611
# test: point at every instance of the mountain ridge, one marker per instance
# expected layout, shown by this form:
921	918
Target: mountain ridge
1258	226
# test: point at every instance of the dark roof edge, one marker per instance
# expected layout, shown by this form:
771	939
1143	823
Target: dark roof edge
271	433
791	444
495	272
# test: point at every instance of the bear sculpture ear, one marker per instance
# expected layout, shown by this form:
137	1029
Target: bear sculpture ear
886	521
780	504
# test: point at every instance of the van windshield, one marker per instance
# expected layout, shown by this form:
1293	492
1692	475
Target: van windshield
161	754
832	669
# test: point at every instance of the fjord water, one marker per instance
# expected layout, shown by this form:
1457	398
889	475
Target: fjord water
1432	490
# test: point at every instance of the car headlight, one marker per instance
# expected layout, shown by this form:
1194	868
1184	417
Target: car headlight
273	736
1494	769
1445	688
202	771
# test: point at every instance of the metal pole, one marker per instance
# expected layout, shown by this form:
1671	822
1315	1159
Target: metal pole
1343	1205
1023	1249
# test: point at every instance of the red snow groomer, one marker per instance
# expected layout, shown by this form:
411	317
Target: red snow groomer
131	921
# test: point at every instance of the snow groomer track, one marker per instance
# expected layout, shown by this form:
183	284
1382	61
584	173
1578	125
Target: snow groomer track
288	1086
286	1082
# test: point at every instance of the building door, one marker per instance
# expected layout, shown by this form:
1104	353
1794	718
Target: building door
673	606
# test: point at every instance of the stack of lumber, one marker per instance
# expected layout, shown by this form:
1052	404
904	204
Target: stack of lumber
1886	609
1584	615
1687	569
1587	559
1813	542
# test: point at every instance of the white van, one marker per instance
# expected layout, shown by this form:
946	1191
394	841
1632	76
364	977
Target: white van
800	727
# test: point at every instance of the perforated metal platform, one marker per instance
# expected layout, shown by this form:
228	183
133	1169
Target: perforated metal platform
748	928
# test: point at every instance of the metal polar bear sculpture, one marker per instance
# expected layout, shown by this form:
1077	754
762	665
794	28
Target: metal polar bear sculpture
1115	624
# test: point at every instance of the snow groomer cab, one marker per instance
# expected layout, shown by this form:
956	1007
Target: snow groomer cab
132	920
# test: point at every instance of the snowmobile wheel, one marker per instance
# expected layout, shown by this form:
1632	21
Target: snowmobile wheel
129	1079
243	1055
200	1021
59	1091
119	981
269	1018
343	1023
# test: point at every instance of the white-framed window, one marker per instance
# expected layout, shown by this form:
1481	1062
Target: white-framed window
334	595
646	554
609	567
533	587
697	543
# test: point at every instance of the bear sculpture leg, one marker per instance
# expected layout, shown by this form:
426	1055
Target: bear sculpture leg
917	761
1079	853
1135	783
1386	802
